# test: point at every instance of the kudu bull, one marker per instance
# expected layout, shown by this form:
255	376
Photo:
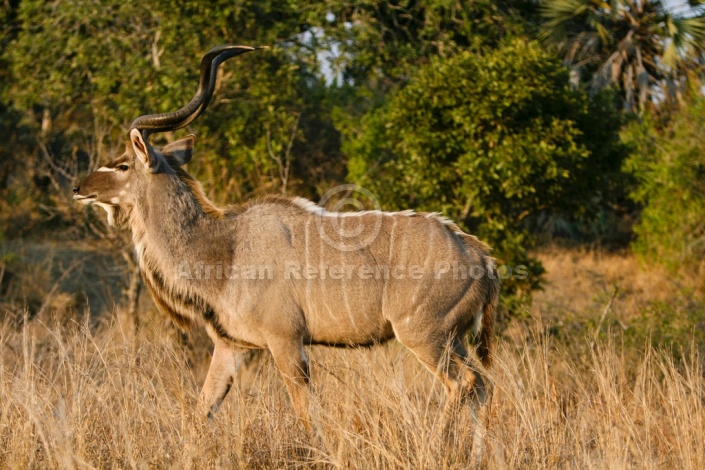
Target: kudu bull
281	273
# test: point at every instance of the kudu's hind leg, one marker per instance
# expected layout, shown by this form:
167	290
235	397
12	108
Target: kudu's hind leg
450	366
471	379
224	366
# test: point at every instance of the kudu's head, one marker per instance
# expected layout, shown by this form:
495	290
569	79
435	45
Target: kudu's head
117	186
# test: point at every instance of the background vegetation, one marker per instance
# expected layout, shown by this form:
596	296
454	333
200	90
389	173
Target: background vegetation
566	133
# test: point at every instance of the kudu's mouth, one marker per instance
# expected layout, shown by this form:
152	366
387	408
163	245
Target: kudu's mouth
77	196
85	199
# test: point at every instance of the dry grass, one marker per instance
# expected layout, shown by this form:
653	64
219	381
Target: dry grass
75	395
581	282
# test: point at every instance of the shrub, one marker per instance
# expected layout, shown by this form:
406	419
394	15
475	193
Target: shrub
490	140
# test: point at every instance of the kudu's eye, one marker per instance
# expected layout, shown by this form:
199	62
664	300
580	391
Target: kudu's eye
123	167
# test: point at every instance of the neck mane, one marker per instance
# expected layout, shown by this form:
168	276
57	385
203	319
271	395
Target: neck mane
196	190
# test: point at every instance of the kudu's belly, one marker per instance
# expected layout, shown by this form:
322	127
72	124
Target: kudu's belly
355	312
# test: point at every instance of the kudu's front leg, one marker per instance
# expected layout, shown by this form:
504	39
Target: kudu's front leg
224	367
291	360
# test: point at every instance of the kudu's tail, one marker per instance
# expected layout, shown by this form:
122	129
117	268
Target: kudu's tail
484	346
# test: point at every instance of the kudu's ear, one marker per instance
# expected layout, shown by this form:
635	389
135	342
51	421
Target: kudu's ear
181	150
141	148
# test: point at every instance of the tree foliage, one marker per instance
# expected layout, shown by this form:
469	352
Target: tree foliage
670	166
639	46
377	45
380	42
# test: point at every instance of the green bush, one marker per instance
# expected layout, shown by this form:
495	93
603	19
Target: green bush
490	140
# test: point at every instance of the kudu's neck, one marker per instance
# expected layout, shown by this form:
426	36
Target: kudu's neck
168	225
169	217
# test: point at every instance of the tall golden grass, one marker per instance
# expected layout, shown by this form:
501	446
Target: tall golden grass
74	394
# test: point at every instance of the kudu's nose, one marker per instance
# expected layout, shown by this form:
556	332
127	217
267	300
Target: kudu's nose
76	189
